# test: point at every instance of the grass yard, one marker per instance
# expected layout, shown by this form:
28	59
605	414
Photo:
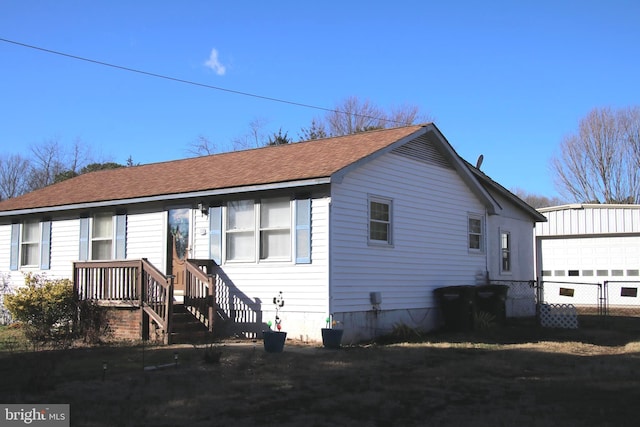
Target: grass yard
517	375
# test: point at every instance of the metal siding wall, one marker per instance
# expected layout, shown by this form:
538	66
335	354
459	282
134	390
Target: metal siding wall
590	220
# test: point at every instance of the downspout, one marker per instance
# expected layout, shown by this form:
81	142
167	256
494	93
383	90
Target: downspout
487	248
329	259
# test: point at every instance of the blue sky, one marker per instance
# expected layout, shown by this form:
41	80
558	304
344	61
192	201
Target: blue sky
506	79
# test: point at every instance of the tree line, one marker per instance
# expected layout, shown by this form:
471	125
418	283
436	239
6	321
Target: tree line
599	163
45	164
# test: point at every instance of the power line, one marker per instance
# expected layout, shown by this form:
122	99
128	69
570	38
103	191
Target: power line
190	82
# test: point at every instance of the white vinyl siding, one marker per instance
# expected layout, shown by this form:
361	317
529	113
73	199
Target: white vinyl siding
64	246
304	286
520	229
429	235
147	237
201	232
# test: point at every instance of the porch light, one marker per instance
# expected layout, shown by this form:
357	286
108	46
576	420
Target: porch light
203	208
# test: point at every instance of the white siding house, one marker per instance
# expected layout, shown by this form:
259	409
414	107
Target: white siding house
582	247
362	228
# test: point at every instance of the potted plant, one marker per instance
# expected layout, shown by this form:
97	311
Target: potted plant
332	334
274	340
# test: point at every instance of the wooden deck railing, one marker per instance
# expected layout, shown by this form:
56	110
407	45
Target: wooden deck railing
128	282
108	281
199	296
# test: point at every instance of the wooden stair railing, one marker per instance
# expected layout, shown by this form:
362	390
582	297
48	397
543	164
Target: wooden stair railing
156	298
199	296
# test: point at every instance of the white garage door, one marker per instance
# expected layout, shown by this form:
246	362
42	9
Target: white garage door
591	260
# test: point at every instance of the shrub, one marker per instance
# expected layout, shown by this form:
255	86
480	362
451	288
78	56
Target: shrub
93	322
5	289
46	308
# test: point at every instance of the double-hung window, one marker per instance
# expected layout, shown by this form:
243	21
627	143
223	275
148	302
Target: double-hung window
241	224
505	252
273	229
476	235
30	245
103	237
380	221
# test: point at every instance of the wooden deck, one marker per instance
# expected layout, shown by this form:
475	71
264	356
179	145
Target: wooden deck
139	284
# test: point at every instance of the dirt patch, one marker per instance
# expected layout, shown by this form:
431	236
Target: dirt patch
515	375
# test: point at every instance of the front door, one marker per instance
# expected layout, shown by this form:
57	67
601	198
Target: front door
178	246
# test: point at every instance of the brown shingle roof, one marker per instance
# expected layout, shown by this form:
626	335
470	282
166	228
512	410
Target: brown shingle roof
300	161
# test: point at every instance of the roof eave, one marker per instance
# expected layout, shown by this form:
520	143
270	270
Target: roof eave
507	194
493	208
169	197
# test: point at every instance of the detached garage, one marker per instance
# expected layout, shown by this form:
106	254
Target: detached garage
590	254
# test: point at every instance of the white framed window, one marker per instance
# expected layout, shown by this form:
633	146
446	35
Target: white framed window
476	233
102	237
380	221
269	229
275	229
505	252
241	223
30	244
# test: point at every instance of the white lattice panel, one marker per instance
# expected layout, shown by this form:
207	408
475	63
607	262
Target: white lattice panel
562	316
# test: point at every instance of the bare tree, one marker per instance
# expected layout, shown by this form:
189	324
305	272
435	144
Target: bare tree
600	163
202	146
13	178
47	163
630	124
536	200
354	115
256	137
50	162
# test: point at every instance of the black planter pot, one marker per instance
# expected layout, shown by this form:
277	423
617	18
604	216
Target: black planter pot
274	341
331	338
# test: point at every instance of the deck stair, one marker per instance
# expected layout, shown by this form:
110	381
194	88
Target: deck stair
186	328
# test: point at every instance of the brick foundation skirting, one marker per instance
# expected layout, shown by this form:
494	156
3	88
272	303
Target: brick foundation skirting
125	323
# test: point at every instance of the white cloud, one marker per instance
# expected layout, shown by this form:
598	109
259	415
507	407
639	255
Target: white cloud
215	64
